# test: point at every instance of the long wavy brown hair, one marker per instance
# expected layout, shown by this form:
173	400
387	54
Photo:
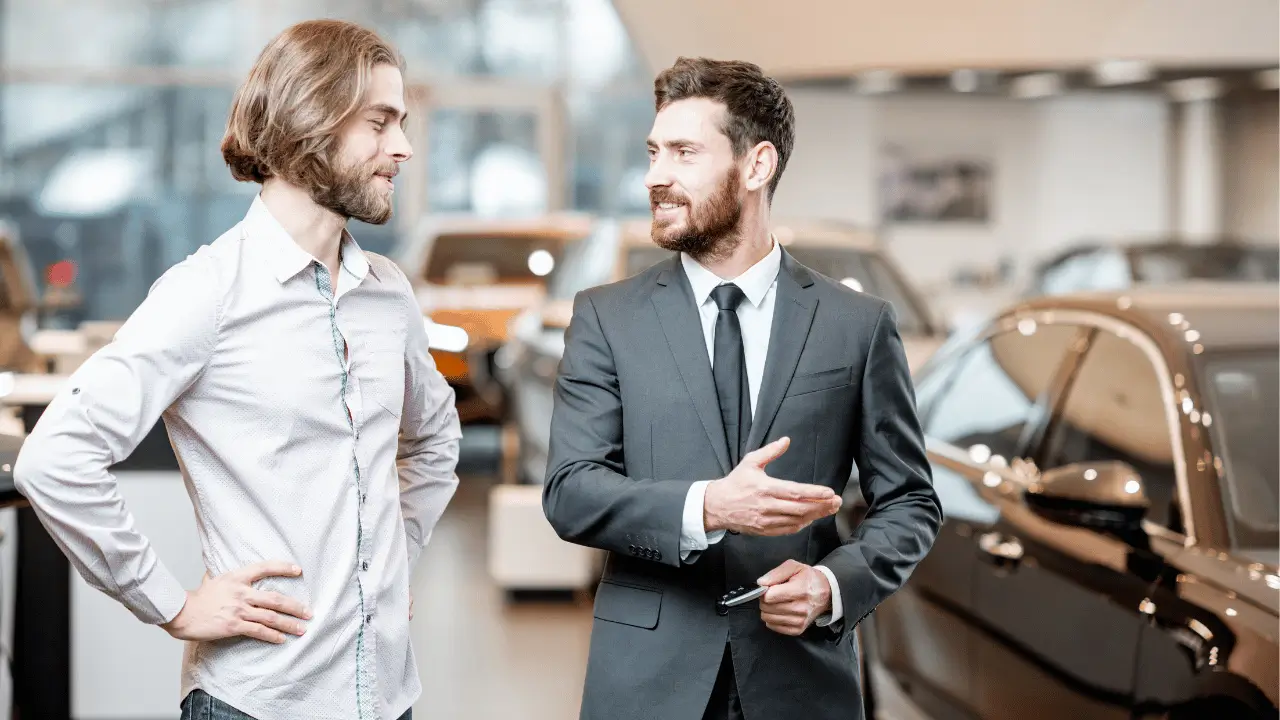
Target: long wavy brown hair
308	81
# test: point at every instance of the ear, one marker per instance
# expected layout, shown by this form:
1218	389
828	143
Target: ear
761	164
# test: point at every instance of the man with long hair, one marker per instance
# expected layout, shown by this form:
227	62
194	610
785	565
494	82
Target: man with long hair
728	591
316	438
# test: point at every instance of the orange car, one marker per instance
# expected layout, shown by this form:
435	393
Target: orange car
472	276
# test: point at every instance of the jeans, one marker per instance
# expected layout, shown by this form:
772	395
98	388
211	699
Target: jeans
200	705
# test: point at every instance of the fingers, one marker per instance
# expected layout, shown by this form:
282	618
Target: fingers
787	592
768	453
788	624
258	632
779	517
273	620
800	492
279	603
782	573
269	568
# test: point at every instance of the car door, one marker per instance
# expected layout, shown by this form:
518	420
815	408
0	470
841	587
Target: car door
1062	605
978	414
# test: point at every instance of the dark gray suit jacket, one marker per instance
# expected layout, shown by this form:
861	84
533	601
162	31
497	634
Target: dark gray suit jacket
636	423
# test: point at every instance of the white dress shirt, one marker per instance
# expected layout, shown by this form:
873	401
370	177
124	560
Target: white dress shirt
760	284
311	426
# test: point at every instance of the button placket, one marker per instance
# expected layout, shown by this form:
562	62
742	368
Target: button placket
366	642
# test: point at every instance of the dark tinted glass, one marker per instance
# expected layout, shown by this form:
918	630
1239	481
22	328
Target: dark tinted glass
1245	428
990	397
1211	262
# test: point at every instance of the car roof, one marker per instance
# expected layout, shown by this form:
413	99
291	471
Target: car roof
1222	315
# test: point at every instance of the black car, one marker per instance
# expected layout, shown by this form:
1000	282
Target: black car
1107	466
1117	266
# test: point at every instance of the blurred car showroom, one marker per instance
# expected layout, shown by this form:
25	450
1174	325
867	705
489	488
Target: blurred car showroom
1099	173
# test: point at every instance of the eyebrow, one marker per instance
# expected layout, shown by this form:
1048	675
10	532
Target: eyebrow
677	143
390	111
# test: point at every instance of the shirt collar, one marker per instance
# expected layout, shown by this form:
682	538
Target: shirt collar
755	282
286	257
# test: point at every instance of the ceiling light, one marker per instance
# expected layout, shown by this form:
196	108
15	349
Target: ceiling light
1194	89
877	82
1122	72
965	81
1036	85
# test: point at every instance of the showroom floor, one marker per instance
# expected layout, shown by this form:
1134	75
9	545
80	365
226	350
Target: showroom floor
481	656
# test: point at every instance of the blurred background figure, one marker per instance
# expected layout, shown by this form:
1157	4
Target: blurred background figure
994	170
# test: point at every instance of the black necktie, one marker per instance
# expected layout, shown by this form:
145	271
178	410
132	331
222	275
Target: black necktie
730	370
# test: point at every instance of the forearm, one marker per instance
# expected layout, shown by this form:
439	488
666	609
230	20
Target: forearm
590	504
427	484
886	547
62	471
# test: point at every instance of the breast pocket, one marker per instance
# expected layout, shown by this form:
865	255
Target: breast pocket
821	380
382	382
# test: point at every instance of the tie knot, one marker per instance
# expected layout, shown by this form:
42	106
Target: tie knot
728	296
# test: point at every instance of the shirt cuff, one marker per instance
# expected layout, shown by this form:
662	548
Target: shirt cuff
158	599
837	607
693	533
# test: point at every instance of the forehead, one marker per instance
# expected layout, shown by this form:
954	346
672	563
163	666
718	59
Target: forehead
697	119
386	87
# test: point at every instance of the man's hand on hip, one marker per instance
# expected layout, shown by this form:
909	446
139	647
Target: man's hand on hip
750	502
229	606
798	594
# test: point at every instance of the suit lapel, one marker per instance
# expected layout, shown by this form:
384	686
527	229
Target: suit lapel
793	310
673	301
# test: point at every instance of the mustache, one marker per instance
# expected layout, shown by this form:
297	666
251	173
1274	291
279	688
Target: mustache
666	195
389	170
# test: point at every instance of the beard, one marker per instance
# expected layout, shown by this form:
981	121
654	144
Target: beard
352	193
711	230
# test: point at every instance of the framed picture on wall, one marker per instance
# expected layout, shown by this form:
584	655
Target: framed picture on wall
923	187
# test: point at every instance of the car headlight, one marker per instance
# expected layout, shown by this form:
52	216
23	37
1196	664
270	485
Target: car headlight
447	338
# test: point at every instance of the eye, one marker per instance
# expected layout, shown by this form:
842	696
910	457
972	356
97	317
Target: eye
686	153
378	125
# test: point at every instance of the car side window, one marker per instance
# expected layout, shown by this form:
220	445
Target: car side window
1115	410
991	396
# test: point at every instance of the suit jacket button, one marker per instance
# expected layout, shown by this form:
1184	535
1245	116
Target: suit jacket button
657	555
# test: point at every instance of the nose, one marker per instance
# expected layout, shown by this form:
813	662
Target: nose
659	174
398	146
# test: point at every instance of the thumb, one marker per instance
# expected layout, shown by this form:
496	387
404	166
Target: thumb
781	574
768	453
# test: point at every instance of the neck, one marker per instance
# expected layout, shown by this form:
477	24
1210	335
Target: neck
754	244
316	229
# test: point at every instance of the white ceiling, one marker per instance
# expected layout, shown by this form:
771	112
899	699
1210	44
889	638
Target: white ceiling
834	38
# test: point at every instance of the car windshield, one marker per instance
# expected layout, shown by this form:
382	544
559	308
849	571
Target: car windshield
862	270
491	260
1168	264
1244	425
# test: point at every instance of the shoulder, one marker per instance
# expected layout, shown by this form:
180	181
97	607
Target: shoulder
846	301
625	294
205	276
393	280
389	273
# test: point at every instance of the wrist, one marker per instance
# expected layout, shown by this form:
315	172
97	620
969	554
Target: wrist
710	518
175	623
823	599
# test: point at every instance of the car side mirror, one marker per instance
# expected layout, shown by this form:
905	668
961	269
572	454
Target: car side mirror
1105	495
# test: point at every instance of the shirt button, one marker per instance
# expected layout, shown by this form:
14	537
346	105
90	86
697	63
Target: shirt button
368	619
364	565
